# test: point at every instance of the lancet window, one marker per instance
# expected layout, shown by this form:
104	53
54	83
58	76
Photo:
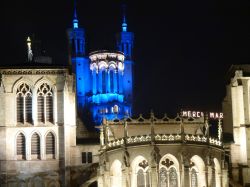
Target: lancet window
45	103
24	104
20	146
35	146
168	174
194	178
143	175
50	145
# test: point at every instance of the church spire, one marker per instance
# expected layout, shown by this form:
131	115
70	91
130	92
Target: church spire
124	24
75	20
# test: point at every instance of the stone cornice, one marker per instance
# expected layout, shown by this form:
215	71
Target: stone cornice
48	71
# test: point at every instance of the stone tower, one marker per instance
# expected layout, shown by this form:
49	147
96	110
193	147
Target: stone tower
79	61
125	43
236	110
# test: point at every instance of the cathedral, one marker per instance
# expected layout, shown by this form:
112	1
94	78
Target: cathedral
72	126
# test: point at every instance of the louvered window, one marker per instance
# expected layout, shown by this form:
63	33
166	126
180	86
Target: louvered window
50	145
45	104
24	104
35	146
20	146
40	108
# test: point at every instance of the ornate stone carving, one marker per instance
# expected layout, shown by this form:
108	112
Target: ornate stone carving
143	164
167	163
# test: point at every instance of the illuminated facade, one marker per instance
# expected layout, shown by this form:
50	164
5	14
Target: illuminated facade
237	119
104	81
44	141
162	152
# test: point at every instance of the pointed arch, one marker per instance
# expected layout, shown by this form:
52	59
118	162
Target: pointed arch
217	168
21	146
23	103
116	174
169	174
45	103
50	145
140	172
35	146
199	166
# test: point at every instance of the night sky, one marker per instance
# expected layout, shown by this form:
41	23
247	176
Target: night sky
182	52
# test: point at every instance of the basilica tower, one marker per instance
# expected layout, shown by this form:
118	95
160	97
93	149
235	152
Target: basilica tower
78	60
125	44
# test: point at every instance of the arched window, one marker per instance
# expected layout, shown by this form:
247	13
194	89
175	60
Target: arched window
163	177
111	74
173	178
143	175
103	81
35	146
20	146
45	104
140	178
50	145
194	178
24	104
168	176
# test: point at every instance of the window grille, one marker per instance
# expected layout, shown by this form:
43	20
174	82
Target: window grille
50	144
20	107
24	104
20	146
35	146
45	104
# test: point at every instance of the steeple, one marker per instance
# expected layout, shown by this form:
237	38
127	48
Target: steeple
124	24
75	20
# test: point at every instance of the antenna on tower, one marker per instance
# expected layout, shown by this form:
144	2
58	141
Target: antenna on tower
124	24
75	20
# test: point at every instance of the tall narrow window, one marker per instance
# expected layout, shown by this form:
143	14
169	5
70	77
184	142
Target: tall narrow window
111	81
35	146
86	157
140	178
20	146
143	175
45	104
50	146
24	104
163	177
173	178
104	81
194	180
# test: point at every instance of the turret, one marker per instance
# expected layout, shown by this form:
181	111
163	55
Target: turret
78	61
125	44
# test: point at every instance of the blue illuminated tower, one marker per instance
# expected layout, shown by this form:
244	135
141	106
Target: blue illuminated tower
79	61
125	43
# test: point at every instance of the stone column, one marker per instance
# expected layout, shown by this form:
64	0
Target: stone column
209	175
125	176
225	179
185	176
154	176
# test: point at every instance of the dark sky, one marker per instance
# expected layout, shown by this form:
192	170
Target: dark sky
183	49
